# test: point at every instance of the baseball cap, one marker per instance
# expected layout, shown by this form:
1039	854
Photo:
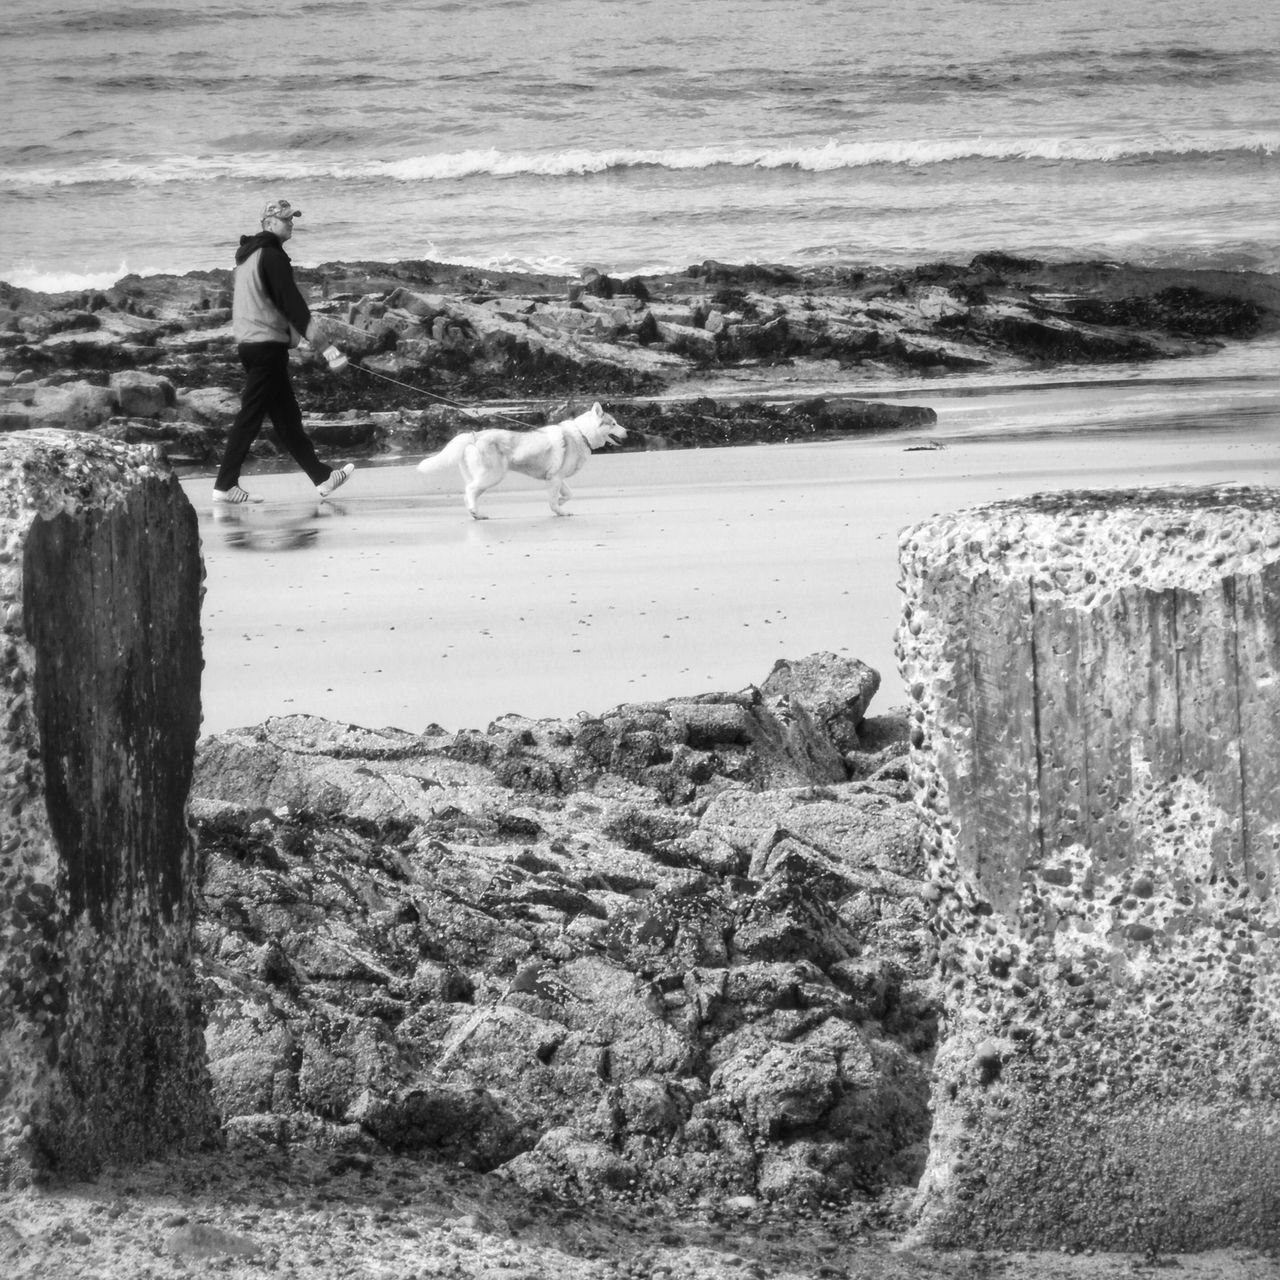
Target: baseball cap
280	209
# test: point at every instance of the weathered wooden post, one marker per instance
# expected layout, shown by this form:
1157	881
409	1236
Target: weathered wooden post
101	1038
1096	687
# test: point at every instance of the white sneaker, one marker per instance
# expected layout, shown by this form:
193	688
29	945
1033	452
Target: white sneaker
336	480
235	494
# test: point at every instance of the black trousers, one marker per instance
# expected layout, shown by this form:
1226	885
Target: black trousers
267	393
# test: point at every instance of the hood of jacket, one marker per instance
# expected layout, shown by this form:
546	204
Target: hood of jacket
250	244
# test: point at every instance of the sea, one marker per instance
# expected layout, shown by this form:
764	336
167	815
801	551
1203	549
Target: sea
637	136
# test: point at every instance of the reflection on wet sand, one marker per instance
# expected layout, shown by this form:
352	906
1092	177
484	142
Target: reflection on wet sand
274	529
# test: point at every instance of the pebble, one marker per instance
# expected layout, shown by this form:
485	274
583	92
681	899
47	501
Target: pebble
197	1240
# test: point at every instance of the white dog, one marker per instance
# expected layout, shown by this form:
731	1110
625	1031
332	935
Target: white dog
551	453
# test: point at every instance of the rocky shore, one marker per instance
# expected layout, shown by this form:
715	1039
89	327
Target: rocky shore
650	993
675	949
152	359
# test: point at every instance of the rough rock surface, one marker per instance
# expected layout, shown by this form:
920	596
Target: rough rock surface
314	1215
306	954
153	360
101	1039
673	949
1094	738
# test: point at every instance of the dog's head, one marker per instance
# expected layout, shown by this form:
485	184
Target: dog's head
600	428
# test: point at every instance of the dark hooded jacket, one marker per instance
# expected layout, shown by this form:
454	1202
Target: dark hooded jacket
266	305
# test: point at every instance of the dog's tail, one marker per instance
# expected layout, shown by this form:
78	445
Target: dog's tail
450	455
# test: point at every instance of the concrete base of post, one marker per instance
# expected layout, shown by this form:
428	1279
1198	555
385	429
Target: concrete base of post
1096	689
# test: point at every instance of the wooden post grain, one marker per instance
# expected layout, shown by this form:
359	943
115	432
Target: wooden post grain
1096	743
101	1034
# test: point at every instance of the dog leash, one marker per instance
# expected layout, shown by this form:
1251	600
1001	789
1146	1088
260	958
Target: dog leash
338	361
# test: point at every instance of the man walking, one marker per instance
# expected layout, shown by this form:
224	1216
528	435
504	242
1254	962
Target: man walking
268	317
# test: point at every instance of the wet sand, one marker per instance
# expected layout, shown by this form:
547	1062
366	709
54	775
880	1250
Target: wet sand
679	573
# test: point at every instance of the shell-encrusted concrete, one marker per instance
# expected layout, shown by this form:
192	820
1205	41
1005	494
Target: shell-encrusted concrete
101	1038
1096	689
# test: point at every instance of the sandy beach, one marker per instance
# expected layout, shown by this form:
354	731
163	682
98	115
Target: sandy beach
679	573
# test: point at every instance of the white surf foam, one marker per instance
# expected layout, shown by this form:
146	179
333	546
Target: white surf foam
815	157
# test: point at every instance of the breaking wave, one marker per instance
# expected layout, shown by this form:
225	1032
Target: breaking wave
824	157
42	279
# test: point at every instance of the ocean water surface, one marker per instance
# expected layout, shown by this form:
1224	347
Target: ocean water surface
144	135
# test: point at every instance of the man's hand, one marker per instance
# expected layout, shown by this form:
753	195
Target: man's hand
320	333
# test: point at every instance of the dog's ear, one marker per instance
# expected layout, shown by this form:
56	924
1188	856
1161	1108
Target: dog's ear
597	409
